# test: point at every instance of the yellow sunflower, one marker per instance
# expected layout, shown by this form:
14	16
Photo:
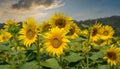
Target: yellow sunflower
84	33
94	33
5	36
44	26
73	31
29	32
112	55
60	20
56	41
118	42
106	32
99	42
10	23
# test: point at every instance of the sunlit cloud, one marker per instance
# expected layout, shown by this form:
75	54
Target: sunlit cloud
14	9
28	4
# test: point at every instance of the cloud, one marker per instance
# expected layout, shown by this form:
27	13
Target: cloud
28	4
38	9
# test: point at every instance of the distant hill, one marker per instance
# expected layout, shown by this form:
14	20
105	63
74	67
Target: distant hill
113	21
2	24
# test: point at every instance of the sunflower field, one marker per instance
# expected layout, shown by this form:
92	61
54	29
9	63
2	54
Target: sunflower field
58	43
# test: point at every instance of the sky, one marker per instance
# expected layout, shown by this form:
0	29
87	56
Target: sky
41	10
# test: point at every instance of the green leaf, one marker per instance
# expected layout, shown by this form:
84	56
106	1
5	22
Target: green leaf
52	63
31	48
29	65
72	68
97	55
5	67
85	26
4	47
103	67
6	42
80	39
14	52
73	57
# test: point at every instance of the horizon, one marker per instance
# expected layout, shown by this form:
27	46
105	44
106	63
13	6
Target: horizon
41	10
79	20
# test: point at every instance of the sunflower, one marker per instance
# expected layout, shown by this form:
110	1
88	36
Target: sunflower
99	42
44	26
106	32
118	42
60	20
112	55
73	31
29	32
5	36
10	23
84	33
94	33
56	41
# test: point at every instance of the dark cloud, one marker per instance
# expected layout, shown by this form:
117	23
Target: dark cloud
2	1
27	4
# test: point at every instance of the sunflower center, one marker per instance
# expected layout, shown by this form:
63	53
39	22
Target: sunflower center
72	31
94	31
10	25
46	27
111	55
30	34
60	23
4	38
56	42
105	33
99	42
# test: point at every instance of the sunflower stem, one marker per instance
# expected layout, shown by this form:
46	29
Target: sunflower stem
115	66
111	67
87	61
16	44
87	56
38	53
61	62
38	57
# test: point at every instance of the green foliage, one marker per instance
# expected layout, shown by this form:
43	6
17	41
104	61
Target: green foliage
52	63
73	57
103	67
5	67
96	55
29	65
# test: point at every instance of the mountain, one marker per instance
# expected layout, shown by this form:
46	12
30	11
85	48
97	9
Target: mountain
1	25
113	21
